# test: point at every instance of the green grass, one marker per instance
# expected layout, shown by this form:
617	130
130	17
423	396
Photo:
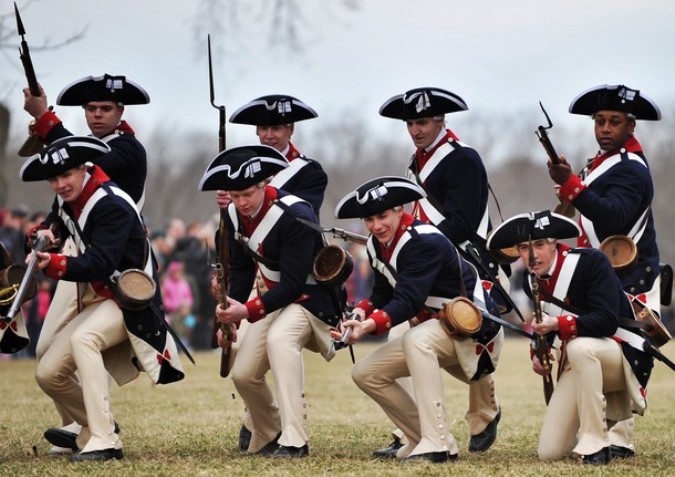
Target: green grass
191	428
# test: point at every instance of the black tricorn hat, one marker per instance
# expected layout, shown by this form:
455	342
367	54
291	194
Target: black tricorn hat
615	97
241	167
61	156
534	225
377	195
273	110
102	88
422	103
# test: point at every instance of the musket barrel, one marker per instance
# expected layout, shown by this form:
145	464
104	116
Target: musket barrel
40	246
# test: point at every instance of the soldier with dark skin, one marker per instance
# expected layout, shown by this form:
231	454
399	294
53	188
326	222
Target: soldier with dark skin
613	196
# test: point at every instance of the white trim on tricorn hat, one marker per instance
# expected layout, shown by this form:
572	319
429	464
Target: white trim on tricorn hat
534	225
61	156
273	110
616	97
241	167
377	195
422	103
102	88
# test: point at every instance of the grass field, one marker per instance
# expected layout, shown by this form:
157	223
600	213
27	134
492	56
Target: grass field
190	428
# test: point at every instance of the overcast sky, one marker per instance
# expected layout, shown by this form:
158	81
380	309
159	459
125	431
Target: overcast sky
500	56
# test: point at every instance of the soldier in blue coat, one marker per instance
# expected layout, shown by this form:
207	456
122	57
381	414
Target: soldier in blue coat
603	370
274	117
103	100
613	195
106	334
417	272
456	184
294	313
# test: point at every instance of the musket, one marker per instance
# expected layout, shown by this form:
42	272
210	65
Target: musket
40	246
344	341
33	144
540	344
24	55
337	233
222	265
220	108
563	207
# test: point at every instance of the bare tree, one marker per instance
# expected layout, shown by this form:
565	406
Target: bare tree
290	23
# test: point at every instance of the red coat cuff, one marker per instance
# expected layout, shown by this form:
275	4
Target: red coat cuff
45	123
567	327
365	305
256	309
571	189
58	264
382	321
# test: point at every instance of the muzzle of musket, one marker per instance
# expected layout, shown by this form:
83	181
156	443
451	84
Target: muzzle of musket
8	294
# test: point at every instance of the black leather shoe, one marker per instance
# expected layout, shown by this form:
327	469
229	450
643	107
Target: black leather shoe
482	442
66	439
601	457
285	452
618	452
270	448
390	451
61	438
104	454
244	438
435	457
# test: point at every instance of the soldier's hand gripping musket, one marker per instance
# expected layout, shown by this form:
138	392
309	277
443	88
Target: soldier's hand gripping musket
540	344
562	208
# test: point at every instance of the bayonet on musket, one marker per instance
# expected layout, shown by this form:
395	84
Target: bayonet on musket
24	55
220	108
33	144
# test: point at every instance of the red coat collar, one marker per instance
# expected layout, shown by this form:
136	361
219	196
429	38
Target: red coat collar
97	177
631	145
271	194
292	153
423	156
406	221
